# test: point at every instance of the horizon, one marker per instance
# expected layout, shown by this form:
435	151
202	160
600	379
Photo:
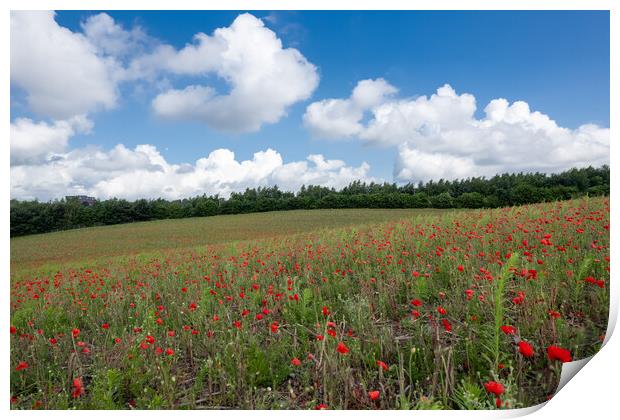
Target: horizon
297	192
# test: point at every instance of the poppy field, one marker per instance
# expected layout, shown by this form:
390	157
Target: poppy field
472	309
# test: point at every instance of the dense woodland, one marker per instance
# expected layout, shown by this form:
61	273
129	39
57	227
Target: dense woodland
29	217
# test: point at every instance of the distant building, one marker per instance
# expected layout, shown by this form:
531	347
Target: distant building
83	199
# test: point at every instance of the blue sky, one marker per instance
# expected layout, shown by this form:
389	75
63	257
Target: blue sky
556	62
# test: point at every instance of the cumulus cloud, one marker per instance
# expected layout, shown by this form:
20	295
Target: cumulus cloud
338	118
65	73
33	142
440	137
264	78
143	172
109	37
61	72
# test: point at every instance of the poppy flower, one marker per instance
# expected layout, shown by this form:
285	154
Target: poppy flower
508	329
446	324
295	361
460	268
169	352
374	395
494	388
441	310
416	302
105	326
21	366
321	407
75	332
13	329
382	365
526	349
558	353
78	387
469	293
342	348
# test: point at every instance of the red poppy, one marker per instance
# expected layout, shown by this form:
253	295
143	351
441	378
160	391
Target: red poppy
460	268
446	324
441	310
508	329
78	387
295	361
416	302
374	395
169	352
105	326
75	332
494	388
382	365
342	348
13	329
21	366
526	349
321	407
558	353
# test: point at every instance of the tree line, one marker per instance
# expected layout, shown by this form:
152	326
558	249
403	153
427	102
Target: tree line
30	217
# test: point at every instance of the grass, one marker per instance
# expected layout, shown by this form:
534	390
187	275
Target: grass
143	237
414	311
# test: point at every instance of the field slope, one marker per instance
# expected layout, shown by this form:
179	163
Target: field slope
134	238
412	310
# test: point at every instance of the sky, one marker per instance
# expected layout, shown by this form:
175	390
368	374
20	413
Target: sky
174	104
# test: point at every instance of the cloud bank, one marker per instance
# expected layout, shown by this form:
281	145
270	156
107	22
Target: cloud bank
440	137
143	172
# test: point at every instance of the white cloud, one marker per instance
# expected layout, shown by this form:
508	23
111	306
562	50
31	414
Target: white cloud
264	78
440	137
111	38
61	72
144	173
65	73
338	118
33	142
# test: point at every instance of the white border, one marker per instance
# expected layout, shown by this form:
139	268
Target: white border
592	394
